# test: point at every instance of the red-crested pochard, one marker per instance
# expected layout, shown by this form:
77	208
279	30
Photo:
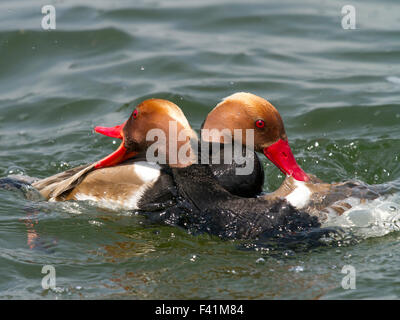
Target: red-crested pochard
303	191
117	180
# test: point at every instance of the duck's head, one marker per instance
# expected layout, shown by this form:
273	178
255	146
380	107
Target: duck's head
248	111
159	115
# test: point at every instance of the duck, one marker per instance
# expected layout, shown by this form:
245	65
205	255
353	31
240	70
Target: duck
304	191
126	179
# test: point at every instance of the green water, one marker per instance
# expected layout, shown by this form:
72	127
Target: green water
337	90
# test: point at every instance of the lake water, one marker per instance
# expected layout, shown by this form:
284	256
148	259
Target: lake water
338	92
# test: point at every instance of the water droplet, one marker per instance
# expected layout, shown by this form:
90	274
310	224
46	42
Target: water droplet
64	164
260	260
288	253
15	170
95	223
297	269
316	144
142	68
58	290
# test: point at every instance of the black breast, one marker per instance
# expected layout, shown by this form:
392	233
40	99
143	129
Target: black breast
231	175
163	193
204	205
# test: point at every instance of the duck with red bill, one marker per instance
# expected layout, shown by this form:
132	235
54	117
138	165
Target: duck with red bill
280	154
246	111
119	155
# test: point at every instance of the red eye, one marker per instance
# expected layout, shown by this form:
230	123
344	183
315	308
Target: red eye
260	123
135	113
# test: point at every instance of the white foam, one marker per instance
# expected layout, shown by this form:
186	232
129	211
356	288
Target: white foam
372	218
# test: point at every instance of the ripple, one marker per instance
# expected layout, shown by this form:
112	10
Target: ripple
395	80
334	87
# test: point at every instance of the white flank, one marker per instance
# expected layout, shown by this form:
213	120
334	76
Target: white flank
130	203
300	196
148	172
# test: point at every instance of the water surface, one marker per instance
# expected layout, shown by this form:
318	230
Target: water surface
337	90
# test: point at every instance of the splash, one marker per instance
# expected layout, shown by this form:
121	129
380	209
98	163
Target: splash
373	218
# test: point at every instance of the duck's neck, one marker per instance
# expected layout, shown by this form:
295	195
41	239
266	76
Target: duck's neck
184	155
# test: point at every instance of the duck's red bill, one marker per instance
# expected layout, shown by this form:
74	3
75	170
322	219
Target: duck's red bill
119	155
113	132
281	155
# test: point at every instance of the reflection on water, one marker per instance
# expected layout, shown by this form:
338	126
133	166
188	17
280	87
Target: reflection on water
32	235
124	250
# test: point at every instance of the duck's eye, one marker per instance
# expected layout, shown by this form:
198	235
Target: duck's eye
135	114
260	123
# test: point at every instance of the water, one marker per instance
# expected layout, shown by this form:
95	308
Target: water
337	90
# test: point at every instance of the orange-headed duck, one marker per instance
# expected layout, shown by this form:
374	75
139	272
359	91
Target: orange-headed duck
124	179
303	191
